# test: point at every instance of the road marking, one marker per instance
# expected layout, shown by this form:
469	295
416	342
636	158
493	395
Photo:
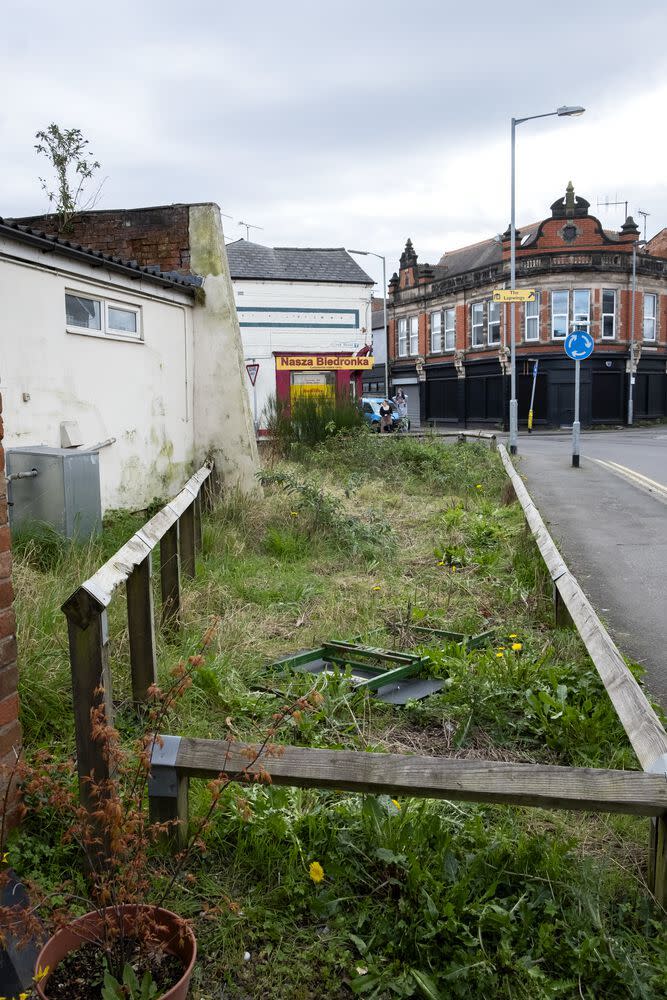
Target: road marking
635	477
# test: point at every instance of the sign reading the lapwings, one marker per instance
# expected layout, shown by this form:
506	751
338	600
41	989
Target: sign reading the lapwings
514	295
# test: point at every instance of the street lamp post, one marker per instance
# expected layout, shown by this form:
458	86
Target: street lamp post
637	243
369	253
564	112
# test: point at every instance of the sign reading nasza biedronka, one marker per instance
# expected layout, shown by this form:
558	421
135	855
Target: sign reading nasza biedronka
322	362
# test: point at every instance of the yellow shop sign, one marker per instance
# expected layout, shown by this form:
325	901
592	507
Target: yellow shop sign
322	362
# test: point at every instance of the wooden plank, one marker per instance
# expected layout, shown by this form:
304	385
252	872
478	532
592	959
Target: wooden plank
552	787
116	570
141	629
91	686
641	724
186	535
170	583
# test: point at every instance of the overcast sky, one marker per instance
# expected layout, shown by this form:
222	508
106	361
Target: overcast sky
356	123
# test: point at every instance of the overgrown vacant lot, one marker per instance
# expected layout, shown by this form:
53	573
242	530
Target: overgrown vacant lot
363	538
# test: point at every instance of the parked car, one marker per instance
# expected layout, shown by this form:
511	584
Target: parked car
371	409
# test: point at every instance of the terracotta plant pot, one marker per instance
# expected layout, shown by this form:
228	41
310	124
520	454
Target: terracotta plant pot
88	927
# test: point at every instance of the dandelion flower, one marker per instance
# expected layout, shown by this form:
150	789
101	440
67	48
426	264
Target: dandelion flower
453	569
512	635
316	872
377	587
441	563
479	486
500	656
517	646
294	513
396	803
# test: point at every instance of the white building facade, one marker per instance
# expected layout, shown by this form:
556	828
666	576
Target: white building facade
305	320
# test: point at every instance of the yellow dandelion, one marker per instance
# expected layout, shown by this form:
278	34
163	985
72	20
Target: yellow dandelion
479	486
517	646
453	569
500	656
396	803
316	872
377	587
294	513
441	563
41	974
512	635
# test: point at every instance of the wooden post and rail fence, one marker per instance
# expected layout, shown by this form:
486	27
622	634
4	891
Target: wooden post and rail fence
178	759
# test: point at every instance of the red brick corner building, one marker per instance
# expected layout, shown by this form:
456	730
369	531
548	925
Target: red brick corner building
450	341
10	730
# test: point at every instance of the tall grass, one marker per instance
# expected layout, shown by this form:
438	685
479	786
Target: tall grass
310	419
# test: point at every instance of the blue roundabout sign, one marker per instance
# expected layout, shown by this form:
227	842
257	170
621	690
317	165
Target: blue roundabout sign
579	345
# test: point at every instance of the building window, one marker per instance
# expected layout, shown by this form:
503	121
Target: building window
559	314
532	331
402	338
581	308
96	316
414	335
650	303
477	313
450	329
436	333
494	322
608	313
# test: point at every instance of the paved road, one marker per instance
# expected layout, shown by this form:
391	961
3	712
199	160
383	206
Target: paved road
609	517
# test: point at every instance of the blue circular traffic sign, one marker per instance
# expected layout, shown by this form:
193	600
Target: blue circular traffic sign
579	345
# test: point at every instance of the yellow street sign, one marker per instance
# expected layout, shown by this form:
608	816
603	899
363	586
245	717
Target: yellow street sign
514	295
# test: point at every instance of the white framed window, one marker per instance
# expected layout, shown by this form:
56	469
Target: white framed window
608	314
494	322
650	311
436	333
559	314
532	319
99	317
477	323
414	335
581	308
450	329
402	338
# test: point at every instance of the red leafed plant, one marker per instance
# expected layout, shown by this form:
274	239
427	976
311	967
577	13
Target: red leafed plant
115	838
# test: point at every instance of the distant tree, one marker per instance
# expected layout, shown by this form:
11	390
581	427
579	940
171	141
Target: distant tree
73	166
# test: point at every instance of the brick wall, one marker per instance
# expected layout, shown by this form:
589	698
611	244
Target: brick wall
10	730
148	235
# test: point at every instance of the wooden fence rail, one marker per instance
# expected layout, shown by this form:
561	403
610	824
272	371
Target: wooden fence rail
177	529
642	726
178	759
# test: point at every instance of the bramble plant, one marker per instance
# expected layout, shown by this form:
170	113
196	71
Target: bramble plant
116	841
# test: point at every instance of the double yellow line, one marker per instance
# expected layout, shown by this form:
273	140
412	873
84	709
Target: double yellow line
643	482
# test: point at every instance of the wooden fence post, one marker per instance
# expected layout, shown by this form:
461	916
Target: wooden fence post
561	614
91	686
198	525
168	790
170	576
141	628
186	532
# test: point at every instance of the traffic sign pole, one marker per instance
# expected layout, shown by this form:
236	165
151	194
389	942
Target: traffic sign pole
532	397
578	346
576	426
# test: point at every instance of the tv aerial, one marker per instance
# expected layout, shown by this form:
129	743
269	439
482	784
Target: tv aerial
248	227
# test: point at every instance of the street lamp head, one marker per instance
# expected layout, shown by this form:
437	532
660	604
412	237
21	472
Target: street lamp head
567	111
364	253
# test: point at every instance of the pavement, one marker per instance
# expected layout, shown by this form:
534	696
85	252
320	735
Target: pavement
609	519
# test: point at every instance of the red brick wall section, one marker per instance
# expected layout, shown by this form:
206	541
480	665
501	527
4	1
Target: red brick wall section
148	235
10	730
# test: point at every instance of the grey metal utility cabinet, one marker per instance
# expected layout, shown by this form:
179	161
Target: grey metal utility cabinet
64	493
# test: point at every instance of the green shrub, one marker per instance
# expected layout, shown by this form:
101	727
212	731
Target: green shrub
310	420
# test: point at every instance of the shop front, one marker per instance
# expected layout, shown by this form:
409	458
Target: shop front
326	376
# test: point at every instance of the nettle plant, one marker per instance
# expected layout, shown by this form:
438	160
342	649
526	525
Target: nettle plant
118	847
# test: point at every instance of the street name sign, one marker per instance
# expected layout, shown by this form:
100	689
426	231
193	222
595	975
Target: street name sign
579	345
514	295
